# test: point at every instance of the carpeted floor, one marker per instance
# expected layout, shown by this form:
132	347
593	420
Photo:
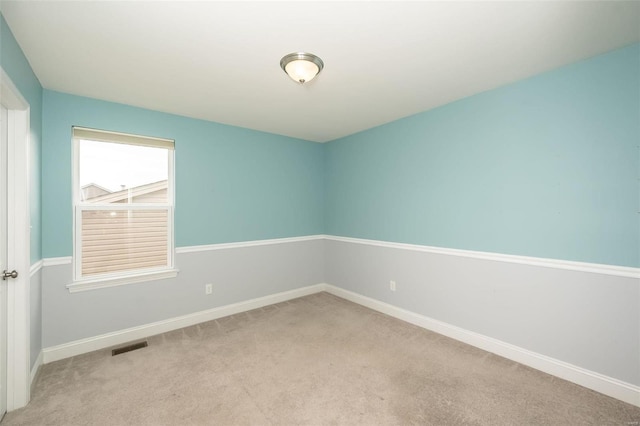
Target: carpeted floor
315	360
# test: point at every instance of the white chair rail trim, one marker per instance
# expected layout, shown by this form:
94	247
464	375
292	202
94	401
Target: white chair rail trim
596	268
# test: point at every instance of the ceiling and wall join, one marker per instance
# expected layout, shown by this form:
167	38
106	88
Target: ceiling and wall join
219	61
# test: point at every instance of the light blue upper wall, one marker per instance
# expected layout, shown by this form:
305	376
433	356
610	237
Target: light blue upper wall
15	64
545	167
232	184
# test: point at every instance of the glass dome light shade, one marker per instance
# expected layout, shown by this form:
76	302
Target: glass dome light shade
301	67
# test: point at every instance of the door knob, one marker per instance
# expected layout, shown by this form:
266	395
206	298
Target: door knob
6	274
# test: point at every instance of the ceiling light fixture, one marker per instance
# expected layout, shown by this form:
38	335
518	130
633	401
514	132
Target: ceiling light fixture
301	67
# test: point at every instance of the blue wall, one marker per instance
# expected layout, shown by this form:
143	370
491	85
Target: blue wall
232	184
15	64
19	71
545	167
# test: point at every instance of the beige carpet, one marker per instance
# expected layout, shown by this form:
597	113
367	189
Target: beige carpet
315	360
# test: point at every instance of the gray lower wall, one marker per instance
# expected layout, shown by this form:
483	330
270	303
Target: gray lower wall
585	319
237	274
35	300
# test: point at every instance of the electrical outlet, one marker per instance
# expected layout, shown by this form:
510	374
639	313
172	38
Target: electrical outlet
208	288
392	285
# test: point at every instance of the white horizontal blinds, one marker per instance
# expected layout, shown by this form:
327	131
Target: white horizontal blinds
123	240
125	138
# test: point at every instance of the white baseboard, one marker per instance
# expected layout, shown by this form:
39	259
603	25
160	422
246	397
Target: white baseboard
90	344
598	382
36	366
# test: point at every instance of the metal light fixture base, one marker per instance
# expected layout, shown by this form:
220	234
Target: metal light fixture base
298	75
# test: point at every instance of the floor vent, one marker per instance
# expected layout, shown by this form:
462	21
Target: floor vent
129	348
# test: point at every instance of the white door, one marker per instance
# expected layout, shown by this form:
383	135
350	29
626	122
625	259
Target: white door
15	369
3	260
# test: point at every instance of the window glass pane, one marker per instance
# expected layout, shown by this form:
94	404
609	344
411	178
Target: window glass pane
121	240
120	173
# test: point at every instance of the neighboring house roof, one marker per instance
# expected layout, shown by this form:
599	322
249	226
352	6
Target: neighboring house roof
93	190
95	185
125	194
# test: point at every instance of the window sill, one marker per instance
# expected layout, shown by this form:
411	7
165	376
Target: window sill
103	282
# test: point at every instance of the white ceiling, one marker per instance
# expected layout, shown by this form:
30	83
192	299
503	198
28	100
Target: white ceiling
219	61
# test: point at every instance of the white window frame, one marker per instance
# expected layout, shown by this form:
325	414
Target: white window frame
112	279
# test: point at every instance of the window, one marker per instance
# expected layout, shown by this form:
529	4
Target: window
123	208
